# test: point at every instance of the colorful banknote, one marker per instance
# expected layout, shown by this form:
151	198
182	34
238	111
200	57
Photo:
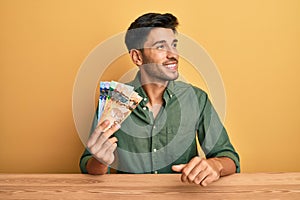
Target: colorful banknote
116	102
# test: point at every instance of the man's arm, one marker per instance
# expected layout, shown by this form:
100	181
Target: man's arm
212	134
222	159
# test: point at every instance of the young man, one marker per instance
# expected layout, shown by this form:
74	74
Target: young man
159	135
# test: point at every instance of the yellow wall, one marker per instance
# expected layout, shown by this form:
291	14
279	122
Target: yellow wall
255	45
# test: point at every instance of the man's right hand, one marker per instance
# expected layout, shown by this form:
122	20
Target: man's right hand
101	145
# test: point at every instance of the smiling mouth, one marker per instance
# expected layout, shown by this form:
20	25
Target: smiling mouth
172	66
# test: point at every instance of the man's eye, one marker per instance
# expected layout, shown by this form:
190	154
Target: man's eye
174	45
160	47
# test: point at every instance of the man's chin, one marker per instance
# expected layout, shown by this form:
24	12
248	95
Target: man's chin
174	77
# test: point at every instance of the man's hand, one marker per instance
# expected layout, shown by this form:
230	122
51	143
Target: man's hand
205	171
101	145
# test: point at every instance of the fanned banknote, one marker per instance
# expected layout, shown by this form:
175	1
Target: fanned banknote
104	88
116	102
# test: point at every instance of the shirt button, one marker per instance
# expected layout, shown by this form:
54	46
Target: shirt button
171	95
145	99
144	108
154	126
154	150
155	172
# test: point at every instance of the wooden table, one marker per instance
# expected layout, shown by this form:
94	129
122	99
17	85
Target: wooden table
151	186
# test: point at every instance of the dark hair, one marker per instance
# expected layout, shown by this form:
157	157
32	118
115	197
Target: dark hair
139	30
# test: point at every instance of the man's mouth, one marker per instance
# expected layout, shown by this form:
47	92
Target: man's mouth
172	66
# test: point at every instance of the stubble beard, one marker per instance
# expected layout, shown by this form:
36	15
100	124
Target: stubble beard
156	72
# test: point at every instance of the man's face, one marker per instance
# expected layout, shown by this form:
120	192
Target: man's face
160	56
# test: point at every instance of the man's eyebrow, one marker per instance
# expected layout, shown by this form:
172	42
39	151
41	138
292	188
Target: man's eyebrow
163	41
159	42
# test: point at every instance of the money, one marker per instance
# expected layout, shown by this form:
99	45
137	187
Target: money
116	102
104	88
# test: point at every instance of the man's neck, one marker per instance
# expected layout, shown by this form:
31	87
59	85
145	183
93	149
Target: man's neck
153	87
155	94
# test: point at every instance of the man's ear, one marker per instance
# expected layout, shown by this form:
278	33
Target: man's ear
136	57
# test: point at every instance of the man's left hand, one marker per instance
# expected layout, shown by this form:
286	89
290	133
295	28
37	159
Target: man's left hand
200	171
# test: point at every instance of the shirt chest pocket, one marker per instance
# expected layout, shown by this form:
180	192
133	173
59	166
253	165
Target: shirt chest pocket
176	142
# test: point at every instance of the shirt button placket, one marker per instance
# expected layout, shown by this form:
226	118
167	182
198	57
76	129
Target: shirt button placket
155	161
154	158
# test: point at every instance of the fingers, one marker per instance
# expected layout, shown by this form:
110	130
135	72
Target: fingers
111	131
201	177
186	172
199	171
207	180
108	158
104	153
101	144
99	132
99	129
178	168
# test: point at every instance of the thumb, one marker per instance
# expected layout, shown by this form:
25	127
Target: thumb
178	168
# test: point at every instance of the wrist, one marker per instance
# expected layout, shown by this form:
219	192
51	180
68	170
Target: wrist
94	166
225	165
219	166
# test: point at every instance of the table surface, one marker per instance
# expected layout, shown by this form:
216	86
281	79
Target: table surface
147	186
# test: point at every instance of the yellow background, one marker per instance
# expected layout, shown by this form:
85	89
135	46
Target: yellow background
255	45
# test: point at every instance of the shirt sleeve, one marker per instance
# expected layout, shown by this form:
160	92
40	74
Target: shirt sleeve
212	134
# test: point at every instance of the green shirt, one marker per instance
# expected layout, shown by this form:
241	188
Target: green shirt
148	145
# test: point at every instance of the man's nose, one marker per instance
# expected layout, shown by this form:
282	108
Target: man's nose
172	53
